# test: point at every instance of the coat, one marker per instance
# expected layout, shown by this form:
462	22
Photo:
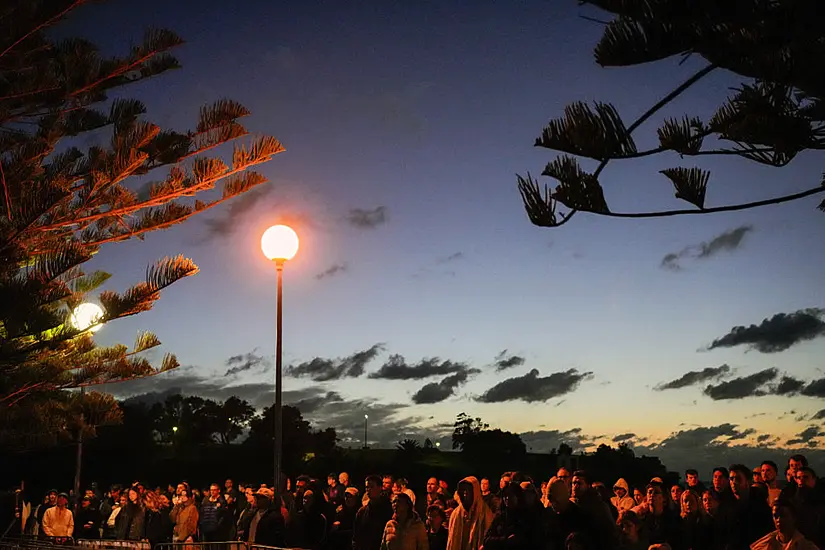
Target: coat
411	535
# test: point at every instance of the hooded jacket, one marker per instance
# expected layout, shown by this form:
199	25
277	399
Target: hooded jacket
626	502
468	527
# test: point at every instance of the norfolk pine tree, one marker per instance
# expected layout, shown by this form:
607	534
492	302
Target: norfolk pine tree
776	46
60	202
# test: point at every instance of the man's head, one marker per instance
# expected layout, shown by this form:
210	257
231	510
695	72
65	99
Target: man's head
465	494
62	500
301	483
432	486
797	462
263	498
619	491
343	478
757	475
86	502
373	487
784	516
769	471
214	491
806	477
485	485
721	483
228	484
504	481
387	482
250	495
691	477
739	476
332	479
580	484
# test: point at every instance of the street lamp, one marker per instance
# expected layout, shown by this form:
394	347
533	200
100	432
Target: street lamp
279	244
86	316
174	429
437	444
366	441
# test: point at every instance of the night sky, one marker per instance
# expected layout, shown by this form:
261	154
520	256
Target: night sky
404	125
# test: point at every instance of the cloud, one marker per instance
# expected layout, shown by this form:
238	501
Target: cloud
807	437
226	221
776	334
763	438
695	377
533	388
547	440
323	370
436	392
726	242
624	437
397	368
334	269
454	257
815	388
744	386
788	385
367	219
506	361
245	362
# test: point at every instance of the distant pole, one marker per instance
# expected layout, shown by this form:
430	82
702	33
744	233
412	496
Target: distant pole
279	264
366	441
79	458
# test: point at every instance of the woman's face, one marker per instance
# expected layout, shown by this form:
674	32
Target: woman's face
133	496
709	504
638	496
690	505
400	507
250	496
435	521
183	498
123	500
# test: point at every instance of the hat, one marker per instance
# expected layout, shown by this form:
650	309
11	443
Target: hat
64	495
352	491
656	480
264	492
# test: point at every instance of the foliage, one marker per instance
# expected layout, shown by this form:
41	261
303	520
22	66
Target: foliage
62	199
475	438
776	113
197	421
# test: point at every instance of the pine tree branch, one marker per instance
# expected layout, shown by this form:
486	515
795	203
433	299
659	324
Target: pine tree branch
43	25
679	90
716	209
5	190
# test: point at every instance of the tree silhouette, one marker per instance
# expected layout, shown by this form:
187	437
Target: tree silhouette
465	428
62	199
565	449
775	114
473	436
233	417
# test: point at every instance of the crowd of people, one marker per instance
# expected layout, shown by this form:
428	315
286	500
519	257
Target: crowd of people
741	509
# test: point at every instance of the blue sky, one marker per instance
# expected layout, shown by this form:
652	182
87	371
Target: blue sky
429	109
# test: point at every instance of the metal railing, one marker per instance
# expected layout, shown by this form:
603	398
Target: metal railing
53	543
107	544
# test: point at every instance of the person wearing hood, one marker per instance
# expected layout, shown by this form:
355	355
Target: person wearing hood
58	520
471	519
622	499
405	531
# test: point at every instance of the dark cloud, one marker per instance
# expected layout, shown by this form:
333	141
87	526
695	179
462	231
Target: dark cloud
726	242
334	269
763	438
788	385
436	392
245	362
547	440
704	437
744	386
323	370
454	257
815	388
776	334
533	388
506	361
367	219
225	222
624	437
695	377
807	437
397	368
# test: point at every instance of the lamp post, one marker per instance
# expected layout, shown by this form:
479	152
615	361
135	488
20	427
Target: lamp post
366	419
279	244
85	317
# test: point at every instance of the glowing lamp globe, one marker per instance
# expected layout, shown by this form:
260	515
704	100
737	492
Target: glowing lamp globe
279	243
87	316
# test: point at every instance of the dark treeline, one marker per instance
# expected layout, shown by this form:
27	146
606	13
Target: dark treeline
204	441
